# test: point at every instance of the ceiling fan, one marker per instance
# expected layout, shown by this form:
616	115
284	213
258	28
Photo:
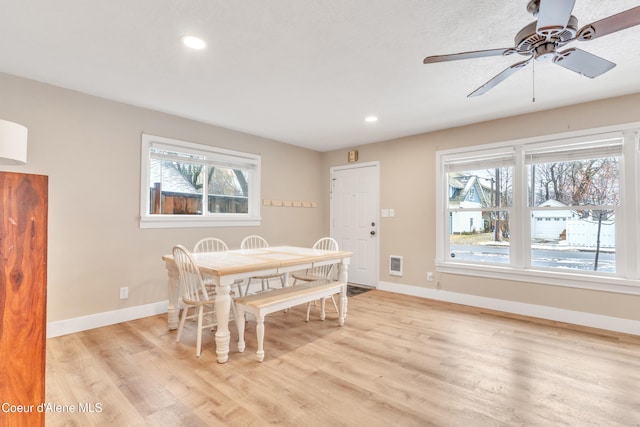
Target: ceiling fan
541	39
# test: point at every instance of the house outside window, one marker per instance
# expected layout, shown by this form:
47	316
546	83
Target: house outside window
479	206
193	185
551	210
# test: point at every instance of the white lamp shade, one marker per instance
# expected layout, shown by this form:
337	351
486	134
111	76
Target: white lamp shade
13	143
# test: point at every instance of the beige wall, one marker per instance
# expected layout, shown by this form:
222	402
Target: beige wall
410	163
90	149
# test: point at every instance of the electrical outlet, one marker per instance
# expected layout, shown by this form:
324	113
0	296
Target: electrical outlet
430	276
124	292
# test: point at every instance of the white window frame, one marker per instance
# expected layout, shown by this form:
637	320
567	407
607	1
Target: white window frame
227	157
627	276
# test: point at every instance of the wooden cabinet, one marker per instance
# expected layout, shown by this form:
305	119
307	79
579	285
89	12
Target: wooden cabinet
23	286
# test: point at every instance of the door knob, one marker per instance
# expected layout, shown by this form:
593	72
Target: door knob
373	232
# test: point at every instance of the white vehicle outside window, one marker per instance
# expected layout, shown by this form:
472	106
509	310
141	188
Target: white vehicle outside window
557	210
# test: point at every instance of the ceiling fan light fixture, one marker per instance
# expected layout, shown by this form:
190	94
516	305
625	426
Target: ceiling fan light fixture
540	40
193	42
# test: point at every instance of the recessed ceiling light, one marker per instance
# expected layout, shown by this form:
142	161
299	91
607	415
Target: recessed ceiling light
193	42
371	119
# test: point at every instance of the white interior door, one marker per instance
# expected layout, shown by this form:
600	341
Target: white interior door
354	218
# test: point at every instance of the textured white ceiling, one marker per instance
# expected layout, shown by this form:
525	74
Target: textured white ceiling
305	72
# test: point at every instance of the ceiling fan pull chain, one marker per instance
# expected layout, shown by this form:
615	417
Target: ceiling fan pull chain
533	80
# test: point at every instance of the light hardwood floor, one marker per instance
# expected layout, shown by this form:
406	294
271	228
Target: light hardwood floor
398	360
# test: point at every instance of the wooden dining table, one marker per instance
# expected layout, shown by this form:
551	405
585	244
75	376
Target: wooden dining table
228	266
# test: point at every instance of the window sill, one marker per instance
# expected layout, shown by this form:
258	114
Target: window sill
595	281
185	221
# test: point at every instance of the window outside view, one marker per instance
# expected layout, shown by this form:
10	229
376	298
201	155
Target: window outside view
572	210
571	206
178	186
184	184
478	220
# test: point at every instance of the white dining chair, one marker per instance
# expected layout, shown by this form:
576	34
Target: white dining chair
319	272
210	244
258	242
214	244
195	295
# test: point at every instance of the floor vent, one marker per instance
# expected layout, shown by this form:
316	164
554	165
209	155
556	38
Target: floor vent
395	265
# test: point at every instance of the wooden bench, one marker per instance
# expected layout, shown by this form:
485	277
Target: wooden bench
279	299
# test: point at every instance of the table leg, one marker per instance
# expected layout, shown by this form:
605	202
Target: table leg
260	336
173	281
342	314
223	305
240	321
343	277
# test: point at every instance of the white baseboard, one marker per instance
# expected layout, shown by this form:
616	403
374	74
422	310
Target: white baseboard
78	324
599	321
627	326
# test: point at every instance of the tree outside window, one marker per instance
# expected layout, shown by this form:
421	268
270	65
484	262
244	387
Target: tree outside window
190	185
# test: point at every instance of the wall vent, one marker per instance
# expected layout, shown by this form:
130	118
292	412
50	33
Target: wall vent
395	265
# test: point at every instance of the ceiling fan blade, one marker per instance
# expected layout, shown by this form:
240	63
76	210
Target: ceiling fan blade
553	16
582	62
468	55
620	21
499	78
